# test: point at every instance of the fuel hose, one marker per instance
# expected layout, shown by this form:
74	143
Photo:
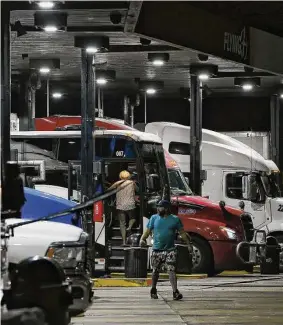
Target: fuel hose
72	210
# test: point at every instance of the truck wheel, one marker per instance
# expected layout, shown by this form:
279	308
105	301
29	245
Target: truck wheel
202	257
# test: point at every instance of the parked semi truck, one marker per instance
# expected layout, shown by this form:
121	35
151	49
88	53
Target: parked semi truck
258	141
215	235
236	173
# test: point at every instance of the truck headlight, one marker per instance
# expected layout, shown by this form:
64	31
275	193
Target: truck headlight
68	254
230	233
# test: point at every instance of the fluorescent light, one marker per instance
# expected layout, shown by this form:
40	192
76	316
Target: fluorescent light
50	29
150	91
281	96
203	76
101	81
46	4
158	62
56	95
44	70
247	87
91	50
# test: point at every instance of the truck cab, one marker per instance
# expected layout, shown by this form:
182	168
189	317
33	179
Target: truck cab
236	173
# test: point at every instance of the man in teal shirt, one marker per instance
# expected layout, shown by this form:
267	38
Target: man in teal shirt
164	226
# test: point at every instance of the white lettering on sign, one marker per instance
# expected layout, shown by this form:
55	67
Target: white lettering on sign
119	153
186	211
237	44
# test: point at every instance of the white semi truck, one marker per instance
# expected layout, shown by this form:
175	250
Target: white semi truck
236	173
259	141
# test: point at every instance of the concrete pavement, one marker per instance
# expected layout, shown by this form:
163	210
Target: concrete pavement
243	300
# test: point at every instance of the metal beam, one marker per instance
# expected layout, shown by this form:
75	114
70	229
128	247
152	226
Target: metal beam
132	16
275	128
5	85
87	141
242	74
87	105
77	29
195	135
70	5
126	109
30	93
141	48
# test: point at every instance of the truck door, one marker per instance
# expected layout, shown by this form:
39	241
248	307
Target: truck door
233	195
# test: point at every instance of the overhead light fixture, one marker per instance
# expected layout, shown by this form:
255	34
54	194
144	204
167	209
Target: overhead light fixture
56	95
92	44
203	76
158	59
247	86
103	76
158	63
150	91
44	70
51	21
44	66
203	71
46	4
91	50
50	29
101	81
150	87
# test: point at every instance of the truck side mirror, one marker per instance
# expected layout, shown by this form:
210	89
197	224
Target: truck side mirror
97	167
245	187
249	188
153	183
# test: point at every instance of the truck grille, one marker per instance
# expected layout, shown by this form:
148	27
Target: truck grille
248	226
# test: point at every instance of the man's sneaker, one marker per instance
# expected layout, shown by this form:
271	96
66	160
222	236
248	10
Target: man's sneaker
153	293
177	295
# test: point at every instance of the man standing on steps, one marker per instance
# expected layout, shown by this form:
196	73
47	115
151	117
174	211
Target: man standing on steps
164	225
125	202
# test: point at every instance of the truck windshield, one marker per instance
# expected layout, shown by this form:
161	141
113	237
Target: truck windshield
178	184
270	185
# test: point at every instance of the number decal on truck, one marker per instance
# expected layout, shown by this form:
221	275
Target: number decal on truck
280	209
119	153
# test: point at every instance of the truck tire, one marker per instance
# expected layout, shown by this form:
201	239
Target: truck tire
202	257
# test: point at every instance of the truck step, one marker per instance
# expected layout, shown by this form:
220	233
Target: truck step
117	248
116	238
117	258
117	268
118	228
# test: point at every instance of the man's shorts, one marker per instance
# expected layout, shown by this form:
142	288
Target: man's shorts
164	260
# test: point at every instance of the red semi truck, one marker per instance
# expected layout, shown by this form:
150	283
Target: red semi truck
215	229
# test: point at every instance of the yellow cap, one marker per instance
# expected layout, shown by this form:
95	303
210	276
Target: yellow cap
124	174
